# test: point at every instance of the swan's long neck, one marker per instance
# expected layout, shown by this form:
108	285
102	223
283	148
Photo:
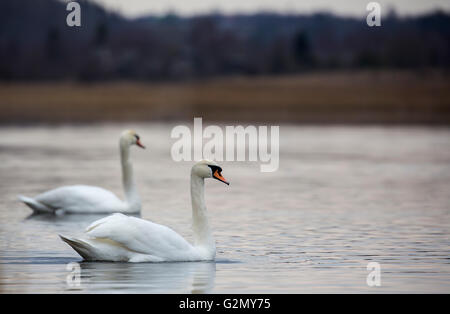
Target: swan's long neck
202	233
131	194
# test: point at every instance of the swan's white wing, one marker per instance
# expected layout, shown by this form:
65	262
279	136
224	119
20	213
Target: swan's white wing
81	199
143	237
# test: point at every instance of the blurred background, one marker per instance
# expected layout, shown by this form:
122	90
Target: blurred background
266	61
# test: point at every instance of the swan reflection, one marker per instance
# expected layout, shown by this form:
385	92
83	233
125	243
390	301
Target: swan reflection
180	277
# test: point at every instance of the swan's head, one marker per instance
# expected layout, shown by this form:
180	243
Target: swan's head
208	169
130	137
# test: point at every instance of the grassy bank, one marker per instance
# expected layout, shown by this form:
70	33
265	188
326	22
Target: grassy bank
338	97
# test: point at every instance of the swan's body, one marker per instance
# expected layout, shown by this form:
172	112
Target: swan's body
85	199
76	199
120	238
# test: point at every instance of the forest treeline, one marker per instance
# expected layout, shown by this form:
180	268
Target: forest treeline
36	44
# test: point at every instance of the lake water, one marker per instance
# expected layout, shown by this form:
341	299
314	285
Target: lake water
342	197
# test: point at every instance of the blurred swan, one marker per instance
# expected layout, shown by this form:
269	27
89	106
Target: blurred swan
120	238
84	199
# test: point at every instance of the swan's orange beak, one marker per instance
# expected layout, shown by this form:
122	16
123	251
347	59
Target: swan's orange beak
219	177
138	143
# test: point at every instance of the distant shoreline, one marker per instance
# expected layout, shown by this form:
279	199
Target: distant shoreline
360	97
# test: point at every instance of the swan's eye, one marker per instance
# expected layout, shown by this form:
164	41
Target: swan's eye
137	137
214	168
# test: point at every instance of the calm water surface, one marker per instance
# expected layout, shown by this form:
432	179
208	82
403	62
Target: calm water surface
342	197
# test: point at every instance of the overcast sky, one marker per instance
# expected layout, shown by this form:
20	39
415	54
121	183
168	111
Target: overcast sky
134	8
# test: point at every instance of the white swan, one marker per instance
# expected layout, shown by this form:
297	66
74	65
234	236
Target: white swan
121	238
84	199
